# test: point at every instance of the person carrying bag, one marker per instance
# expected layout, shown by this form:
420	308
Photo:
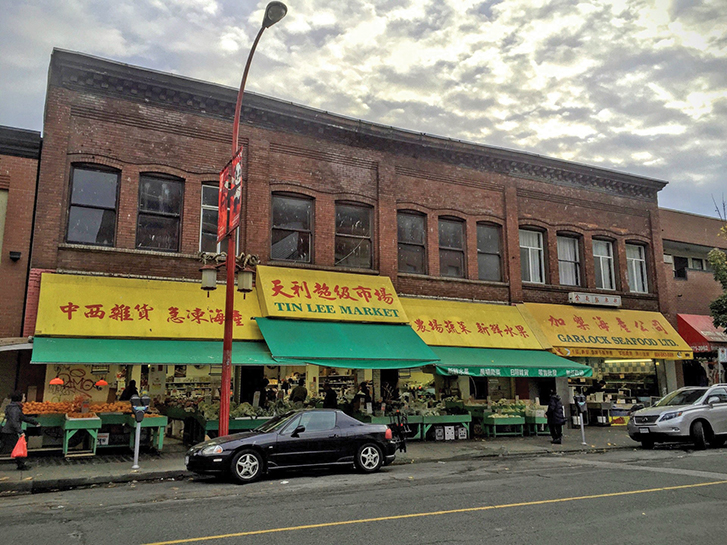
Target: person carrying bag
13	438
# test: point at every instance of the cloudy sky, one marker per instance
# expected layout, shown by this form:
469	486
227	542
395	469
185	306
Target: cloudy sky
638	86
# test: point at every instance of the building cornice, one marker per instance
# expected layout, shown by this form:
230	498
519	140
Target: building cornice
88	74
19	142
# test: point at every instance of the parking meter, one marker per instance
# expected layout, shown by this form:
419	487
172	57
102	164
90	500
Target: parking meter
581	407
139	406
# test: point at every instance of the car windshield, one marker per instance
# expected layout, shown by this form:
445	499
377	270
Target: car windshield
275	423
681	397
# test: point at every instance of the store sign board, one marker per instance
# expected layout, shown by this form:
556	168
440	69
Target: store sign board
322	295
722	355
577	331
90	306
478	325
597	299
500	371
230	196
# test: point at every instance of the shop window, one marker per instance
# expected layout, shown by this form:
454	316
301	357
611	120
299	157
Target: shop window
532	264
680	267
451	248
161	199
569	261
412	254
489	259
208	220
353	236
93	206
292	235
603	262
636	265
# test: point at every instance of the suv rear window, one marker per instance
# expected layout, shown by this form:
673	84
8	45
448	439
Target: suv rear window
681	397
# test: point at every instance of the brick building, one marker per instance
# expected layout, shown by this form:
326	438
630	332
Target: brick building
687	239
129	175
19	154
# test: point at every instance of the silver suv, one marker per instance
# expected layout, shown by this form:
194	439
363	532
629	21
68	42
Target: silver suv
696	414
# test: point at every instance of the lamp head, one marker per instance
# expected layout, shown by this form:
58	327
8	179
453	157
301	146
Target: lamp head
274	12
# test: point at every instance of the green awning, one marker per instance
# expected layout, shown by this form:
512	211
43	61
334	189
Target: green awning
493	362
71	350
345	344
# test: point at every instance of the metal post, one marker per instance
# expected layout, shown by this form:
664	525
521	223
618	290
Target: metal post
224	426
583	431
136	446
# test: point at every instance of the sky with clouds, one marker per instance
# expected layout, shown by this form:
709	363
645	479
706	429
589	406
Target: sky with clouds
638	86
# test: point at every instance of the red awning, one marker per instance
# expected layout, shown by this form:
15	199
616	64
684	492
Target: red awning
700	333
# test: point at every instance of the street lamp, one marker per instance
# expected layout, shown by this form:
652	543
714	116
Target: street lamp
274	12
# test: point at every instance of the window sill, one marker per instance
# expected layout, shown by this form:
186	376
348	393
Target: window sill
115	250
450	279
298	265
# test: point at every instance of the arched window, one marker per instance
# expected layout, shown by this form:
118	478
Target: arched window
292	230
93	205
354	247
412	236
159	221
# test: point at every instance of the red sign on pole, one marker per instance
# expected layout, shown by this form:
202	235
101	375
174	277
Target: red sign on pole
230	197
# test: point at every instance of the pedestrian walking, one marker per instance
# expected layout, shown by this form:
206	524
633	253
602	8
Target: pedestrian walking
330	401
556	418
12	430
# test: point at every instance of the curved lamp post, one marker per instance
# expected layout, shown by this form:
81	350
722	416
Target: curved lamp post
274	12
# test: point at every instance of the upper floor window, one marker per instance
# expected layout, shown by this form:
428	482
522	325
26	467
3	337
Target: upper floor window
569	261
532	264
353	236
451	248
93	205
603	261
208	220
159	220
489	261
680	267
292	236
697	264
636	264
412	235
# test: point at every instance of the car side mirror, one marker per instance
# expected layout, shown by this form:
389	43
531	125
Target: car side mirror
712	400
297	431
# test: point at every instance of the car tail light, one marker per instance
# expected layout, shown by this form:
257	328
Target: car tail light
389	434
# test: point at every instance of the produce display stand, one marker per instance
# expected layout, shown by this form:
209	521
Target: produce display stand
71	426
478	414
495	425
536	425
46	422
156	424
204	426
424	423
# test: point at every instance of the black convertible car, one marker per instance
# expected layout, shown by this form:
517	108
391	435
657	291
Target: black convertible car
308	438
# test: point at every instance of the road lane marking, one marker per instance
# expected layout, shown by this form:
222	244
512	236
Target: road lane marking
433	513
672	471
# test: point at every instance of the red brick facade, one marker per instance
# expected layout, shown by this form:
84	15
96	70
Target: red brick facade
139	121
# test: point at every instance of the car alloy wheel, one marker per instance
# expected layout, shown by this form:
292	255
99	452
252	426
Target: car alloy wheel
369	458
247	466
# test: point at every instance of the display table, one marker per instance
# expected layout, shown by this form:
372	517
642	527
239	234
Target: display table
536	425
156	424
71	426
424	423
599	413
495	425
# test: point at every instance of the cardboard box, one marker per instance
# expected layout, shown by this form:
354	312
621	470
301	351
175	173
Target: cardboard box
103	439
449	433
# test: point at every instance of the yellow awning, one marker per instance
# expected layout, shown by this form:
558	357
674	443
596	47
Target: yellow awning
611	333
474	325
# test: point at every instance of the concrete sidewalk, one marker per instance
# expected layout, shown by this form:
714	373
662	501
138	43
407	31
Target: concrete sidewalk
50	471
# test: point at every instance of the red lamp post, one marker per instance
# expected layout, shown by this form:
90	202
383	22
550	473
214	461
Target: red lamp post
274	12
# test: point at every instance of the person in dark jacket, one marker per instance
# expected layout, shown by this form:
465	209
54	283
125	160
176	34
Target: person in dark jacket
330	401
129	391
299	393
556	418
13	428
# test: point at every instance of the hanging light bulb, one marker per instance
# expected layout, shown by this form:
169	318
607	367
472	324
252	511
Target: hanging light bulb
101	382
58	381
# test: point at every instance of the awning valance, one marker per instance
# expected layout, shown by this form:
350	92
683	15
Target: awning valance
70	350
345	344
611	333
499	362
700	332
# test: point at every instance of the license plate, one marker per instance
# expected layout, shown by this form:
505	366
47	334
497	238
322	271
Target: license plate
186	460
643	430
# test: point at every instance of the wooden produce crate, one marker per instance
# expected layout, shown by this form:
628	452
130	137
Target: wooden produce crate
503	425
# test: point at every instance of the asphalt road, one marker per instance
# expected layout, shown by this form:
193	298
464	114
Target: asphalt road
671	496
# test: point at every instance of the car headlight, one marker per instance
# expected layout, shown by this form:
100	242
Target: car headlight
669	416
214	449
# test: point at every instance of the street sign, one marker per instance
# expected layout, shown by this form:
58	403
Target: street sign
230	197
